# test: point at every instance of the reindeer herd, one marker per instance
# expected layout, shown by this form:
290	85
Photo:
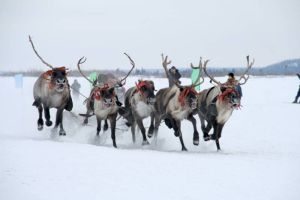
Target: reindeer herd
171	105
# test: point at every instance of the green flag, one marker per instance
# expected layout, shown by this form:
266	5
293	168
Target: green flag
93	78
194	76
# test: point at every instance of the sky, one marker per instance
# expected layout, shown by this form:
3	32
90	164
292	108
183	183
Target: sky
222	31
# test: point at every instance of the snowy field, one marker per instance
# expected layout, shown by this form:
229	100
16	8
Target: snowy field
260	157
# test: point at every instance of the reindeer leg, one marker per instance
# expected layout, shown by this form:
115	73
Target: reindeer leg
218	135
40	122
151	128
98	125
157	121
175	127
205	130
133	127
178	125
105	127
113	121
61	127
47	116
58	121
142	128
196	134
89	104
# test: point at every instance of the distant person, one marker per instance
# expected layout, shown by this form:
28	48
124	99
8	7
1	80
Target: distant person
298	93
75	89
233	83
173	76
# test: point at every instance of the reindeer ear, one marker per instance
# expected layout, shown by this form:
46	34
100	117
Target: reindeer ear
111	90
223	89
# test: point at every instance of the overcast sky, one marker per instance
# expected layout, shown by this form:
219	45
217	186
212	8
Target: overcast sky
224	31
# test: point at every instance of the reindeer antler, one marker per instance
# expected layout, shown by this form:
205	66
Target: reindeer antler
81	61
165	64
43	61
210	76
200	67
123	80
245	76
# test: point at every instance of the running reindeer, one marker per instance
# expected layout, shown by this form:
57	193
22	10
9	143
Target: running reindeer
139	104
216	104
177	103
103	101
51	90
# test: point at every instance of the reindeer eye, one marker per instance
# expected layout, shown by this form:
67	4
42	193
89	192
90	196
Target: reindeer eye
54	74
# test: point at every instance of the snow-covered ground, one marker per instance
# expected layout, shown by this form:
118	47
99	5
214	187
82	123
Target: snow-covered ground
260	157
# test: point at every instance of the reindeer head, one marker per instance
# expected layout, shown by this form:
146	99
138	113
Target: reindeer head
58	78
105	94
188	96
230	96
146	89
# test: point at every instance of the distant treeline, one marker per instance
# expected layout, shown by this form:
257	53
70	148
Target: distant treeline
287	67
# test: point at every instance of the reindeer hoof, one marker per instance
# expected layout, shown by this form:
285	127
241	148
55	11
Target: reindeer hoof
85	121
150	134
105	127
206	138
184	149
145	142
49	123
62	132
150	131
40	124
176	133
196	142
40	127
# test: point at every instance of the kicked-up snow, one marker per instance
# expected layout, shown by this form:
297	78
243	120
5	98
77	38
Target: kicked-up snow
260	156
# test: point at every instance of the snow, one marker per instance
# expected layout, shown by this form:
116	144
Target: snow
260	157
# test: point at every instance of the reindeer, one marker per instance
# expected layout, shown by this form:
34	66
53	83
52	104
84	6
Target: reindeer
51	90
103	101
102	79
139	104
175	104
216	104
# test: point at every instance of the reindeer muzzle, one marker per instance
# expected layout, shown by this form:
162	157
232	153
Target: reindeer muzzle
150	100
108	102
235	103
193	103
60	85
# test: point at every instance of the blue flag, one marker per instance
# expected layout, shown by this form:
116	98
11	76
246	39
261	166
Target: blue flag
19	80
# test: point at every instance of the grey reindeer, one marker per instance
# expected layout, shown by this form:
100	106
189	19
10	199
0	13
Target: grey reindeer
103	101
51	90
139	104
216	104
176	103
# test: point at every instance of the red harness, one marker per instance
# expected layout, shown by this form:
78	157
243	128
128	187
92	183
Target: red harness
183	94
140	85
225	93
97	92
